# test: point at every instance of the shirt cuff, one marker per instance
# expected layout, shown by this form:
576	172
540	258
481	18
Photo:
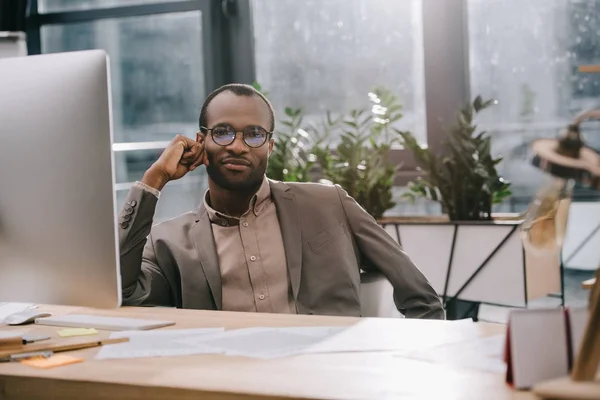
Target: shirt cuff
147	188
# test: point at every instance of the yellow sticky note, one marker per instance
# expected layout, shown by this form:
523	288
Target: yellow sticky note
69	332
56	360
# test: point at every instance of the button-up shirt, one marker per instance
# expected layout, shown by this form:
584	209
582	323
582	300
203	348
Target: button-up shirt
254	274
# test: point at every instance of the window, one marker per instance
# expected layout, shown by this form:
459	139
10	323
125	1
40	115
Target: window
158	72
525	54
322	55
584	44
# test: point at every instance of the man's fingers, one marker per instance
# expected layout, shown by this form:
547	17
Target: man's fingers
189	144
173	153
184	151
199	158
188	154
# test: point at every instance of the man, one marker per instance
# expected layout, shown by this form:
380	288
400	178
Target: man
254	244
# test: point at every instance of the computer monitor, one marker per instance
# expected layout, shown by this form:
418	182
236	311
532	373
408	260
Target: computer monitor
58	235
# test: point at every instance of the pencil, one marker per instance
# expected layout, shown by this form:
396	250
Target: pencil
59	347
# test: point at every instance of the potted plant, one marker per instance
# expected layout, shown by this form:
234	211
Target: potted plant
463	178
359	159
484	258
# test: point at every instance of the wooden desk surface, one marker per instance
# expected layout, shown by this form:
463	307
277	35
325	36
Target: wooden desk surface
316	376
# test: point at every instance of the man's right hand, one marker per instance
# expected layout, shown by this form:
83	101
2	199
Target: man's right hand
181	156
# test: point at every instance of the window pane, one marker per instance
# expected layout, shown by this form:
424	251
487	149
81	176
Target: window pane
525	54
157	73
157	79
46	6
323	55
177	197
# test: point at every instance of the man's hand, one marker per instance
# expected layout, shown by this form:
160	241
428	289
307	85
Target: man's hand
181	156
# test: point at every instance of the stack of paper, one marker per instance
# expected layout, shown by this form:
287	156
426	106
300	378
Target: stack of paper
156	344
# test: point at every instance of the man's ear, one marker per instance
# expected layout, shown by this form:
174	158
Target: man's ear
271	145
201	138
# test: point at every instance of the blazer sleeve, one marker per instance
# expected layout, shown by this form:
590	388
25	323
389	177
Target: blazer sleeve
142	279
413	295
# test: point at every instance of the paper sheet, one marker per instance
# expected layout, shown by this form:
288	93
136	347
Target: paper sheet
265	343
161	343
395	335
485	354
7	309
364	336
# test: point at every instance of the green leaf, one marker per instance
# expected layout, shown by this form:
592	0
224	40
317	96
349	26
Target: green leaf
477	103
257	86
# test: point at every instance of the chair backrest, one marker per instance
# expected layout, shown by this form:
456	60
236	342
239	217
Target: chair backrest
377	296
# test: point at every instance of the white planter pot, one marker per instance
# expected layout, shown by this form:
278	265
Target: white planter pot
477	261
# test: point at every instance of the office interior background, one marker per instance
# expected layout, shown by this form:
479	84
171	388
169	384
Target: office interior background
325	56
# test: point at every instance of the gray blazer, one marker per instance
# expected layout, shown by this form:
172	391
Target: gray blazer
328	239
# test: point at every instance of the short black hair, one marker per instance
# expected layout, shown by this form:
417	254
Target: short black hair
239	89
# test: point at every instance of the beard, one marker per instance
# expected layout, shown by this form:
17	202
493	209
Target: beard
243	181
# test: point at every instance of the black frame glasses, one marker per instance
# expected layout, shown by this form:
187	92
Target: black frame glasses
254	136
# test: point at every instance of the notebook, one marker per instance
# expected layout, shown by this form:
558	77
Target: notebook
105	323
540	344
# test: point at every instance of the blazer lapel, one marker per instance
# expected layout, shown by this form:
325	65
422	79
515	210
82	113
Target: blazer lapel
289	222
204	243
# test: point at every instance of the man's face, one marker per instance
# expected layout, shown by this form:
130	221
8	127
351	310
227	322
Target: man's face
237	166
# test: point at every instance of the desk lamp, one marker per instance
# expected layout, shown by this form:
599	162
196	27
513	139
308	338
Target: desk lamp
567	159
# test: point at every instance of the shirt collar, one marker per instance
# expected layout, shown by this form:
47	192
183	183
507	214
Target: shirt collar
257	203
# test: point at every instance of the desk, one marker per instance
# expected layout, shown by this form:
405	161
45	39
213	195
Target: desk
317	376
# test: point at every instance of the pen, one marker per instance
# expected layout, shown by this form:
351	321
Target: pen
23	356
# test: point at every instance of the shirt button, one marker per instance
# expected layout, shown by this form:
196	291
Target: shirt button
245	223
252	258
261	296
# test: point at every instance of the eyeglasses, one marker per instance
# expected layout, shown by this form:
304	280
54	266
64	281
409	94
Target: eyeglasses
224	134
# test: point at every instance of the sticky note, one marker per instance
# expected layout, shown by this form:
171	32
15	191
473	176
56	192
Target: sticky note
56	360
69	332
